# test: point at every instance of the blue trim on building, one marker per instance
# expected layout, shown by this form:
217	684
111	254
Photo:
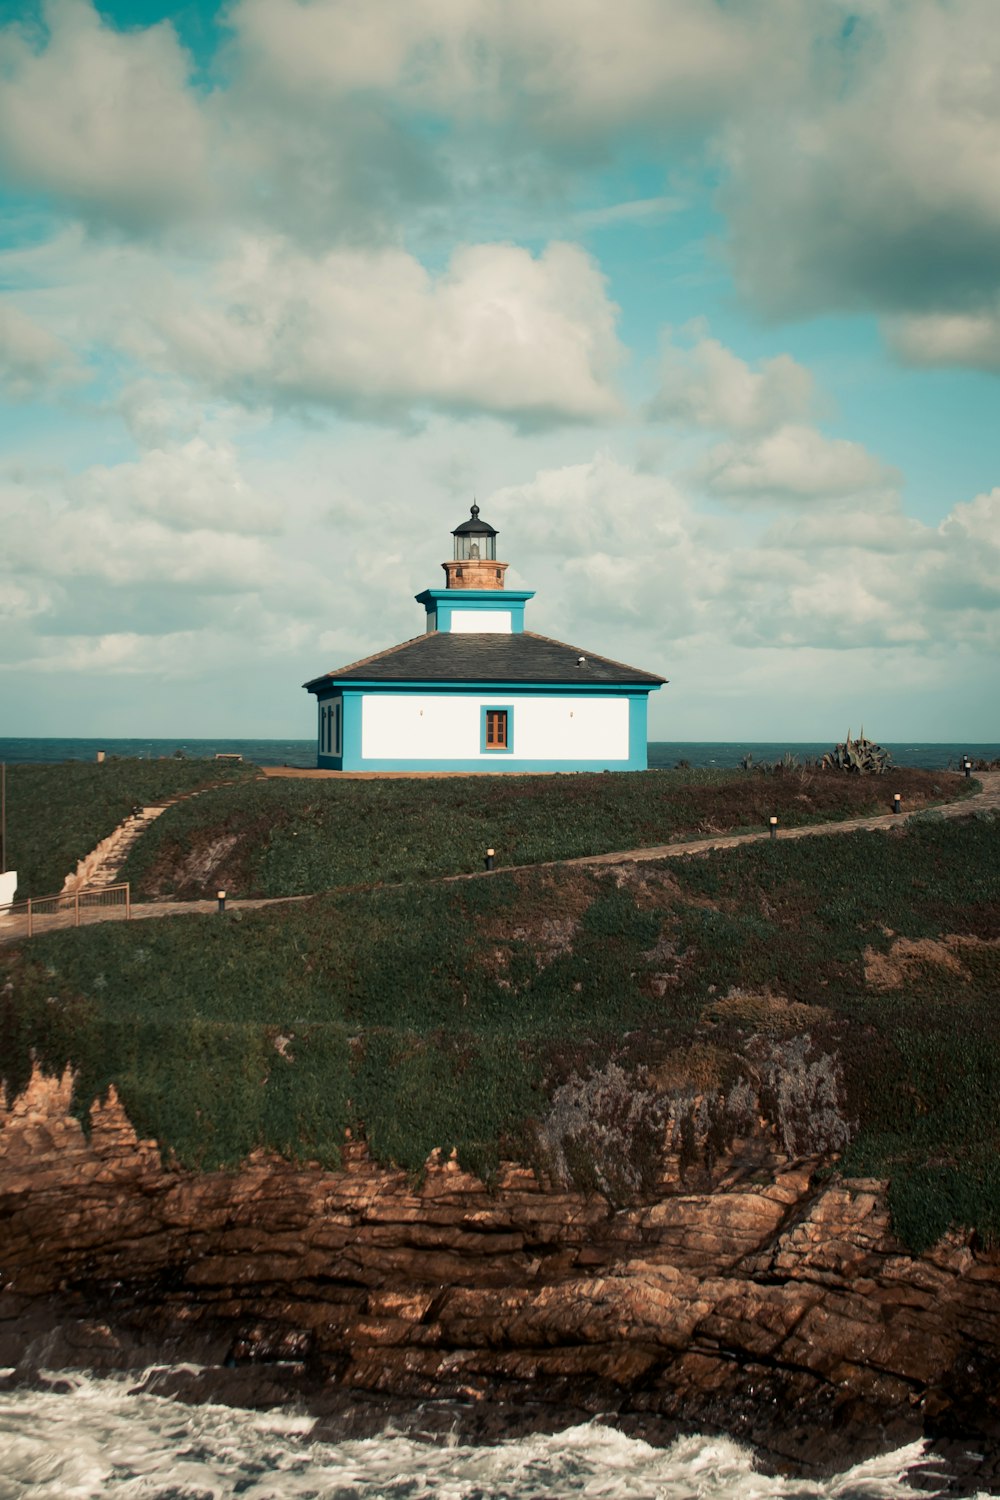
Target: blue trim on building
638	705
352	696
491	750
440	604
501	767
349	756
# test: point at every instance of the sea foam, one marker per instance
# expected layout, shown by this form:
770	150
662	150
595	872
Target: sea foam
89	1437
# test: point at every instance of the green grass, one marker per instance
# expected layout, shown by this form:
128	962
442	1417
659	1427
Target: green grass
285	837
450	1013
56	814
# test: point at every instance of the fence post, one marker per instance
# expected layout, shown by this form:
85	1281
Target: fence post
29	916
128	901
76	908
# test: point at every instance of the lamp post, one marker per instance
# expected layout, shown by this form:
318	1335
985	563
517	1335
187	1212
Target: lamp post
773	823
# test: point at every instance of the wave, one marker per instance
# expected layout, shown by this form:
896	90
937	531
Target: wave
84	1436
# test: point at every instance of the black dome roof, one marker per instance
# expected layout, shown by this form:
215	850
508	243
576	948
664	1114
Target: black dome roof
474	526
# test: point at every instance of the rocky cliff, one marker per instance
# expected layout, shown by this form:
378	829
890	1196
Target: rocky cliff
773	1303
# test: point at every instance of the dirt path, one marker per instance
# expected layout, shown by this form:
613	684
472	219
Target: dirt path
986	800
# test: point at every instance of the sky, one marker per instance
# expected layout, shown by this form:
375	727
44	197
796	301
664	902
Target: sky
699	299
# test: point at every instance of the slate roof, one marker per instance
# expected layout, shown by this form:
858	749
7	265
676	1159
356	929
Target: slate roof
446	656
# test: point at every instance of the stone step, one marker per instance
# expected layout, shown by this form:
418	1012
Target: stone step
101	867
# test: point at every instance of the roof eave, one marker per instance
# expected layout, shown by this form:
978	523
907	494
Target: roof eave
336	679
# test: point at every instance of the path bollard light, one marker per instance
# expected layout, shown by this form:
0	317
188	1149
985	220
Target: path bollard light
489	858
221	897
896	800
967	767
774	827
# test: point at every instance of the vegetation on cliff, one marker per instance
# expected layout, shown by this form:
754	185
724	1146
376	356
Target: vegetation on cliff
56	814
842	989
285	837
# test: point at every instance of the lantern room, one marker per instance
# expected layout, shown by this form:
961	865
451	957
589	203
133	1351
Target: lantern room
474	565
475	540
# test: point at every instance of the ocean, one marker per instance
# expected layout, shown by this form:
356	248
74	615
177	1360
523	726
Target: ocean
303	752
101	1437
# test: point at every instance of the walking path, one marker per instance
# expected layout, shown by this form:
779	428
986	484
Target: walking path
986	800
100	867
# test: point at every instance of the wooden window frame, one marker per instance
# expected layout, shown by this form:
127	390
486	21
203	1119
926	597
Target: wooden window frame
497	717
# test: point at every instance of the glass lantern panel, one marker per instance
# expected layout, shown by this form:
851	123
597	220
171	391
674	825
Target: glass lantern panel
475	548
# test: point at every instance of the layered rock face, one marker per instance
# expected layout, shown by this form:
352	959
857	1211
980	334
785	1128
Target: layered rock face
770	1304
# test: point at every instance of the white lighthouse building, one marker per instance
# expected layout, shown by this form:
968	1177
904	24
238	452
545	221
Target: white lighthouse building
479	692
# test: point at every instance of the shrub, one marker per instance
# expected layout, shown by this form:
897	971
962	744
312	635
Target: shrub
802	1094
604	1133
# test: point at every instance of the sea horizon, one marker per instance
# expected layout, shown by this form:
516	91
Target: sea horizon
663	754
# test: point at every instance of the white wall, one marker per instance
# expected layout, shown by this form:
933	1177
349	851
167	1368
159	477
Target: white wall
481	622
438	727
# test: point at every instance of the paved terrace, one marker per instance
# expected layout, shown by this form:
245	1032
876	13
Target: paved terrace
985	800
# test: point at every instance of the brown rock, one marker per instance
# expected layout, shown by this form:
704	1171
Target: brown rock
784	1313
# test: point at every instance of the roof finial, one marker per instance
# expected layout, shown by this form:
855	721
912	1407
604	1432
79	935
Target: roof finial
475	508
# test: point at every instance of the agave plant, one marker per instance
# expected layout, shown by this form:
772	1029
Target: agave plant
861	756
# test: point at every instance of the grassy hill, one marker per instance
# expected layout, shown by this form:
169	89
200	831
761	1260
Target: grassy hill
285	837
57	813
845	987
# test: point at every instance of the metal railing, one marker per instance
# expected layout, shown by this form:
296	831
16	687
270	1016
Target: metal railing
68	909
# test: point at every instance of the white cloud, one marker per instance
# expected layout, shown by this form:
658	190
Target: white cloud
158	416
880	527
32	360
625	558
978	520
102	118
872	180
25	598
860	145
176	655
96	544
623	563
795	463
114	653
568	66
708	385
969	339
195	486
177	537
499	330
309	125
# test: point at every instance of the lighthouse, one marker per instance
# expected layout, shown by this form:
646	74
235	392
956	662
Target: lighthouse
478	692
